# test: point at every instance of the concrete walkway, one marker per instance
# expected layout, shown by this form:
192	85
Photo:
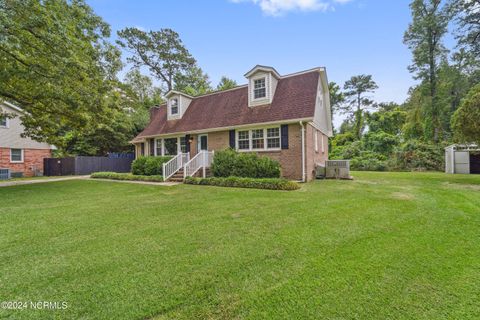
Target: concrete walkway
45	180
40	180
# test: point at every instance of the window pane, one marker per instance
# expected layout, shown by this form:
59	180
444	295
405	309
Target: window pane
273	132
258	133
258	144
273	143
16	155
259	83
260	93
244	145
171	147
3	121
243	135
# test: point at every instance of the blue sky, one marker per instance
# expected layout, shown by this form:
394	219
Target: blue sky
228	37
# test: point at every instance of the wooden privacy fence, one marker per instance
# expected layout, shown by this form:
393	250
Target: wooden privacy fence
84	165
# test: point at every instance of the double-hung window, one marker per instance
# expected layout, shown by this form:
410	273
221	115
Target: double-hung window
259	88
257	139
158	147
244	140
174	106
273	138
16	155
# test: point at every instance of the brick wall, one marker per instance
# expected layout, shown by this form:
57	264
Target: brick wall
32	158
290	159
313	156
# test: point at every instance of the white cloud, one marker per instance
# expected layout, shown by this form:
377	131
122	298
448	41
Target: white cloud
280	7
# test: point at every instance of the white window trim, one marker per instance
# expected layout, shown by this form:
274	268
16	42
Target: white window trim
265	142
264	77
162	148
316	140
22	152
323	143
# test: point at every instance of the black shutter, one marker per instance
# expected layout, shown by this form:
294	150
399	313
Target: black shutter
232	139
152	147
284	135
187	143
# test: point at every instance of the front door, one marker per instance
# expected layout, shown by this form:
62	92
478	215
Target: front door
202	142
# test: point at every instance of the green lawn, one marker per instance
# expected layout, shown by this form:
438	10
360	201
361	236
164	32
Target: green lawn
385	246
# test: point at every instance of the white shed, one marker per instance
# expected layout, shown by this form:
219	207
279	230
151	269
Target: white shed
462	159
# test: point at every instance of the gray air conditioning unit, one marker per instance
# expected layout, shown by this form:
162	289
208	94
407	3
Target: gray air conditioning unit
338	169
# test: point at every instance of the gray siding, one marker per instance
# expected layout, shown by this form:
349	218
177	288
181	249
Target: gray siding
10	137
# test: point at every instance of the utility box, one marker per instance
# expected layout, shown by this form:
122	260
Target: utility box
338	169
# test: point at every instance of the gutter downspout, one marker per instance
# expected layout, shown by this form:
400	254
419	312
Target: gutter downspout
303	151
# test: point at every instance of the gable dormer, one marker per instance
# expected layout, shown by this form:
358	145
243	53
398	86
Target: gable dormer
262	82
177	104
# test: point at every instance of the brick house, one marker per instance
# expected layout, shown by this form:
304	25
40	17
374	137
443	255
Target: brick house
20	155
286	118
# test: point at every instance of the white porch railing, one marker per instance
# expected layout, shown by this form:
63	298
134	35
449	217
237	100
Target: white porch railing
174	164
202	160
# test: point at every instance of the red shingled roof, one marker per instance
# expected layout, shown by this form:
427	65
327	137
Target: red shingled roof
294	98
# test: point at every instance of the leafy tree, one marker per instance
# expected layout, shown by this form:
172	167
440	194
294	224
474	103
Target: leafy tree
467	14
193	82
226	83
337	98
466	120
389	119
57	64
161	51
142	89
355	90
424	38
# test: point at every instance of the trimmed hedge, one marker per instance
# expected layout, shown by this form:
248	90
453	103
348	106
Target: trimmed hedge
149	166
237	182
228	163
125	176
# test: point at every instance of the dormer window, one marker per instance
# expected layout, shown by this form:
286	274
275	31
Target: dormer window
259	88
174	106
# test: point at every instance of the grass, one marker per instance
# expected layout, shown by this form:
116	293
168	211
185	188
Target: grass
385	246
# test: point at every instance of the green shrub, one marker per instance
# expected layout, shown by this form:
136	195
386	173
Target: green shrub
418	155
229	163
149	166
125	176
237	182
138	165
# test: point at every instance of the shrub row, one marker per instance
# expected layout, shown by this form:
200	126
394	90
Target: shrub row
149	166
228	163
125	176
237	182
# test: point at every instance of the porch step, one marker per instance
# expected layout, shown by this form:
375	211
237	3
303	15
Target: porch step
178	176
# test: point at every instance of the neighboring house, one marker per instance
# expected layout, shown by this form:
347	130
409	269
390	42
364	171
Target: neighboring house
286	118
20	155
